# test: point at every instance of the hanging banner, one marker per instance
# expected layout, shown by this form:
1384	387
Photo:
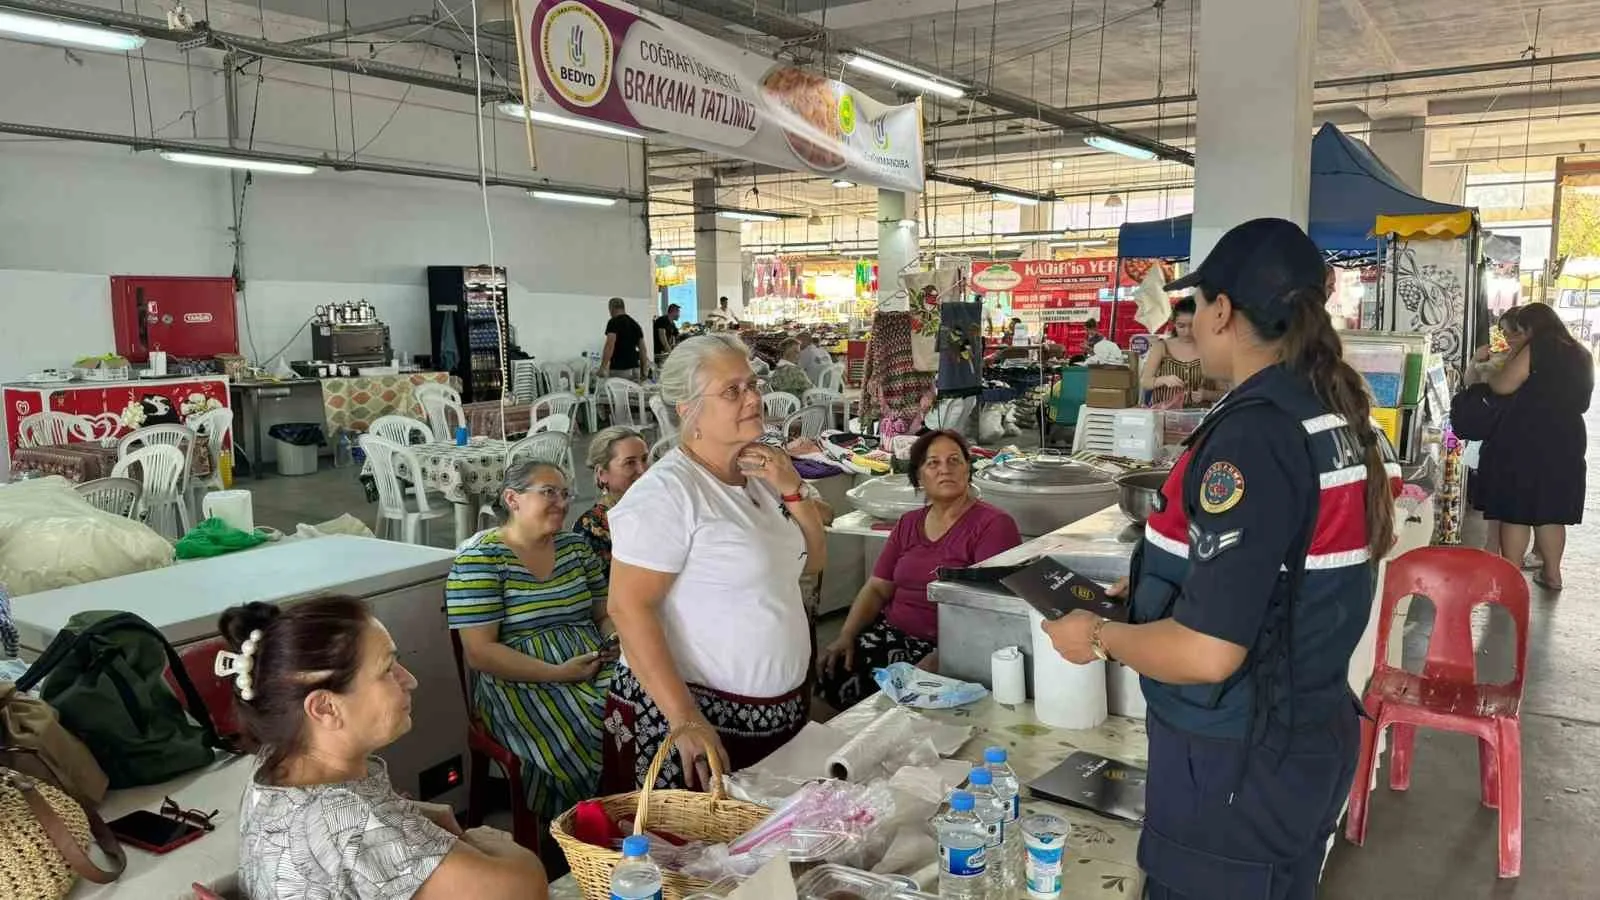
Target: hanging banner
1043	285
621	65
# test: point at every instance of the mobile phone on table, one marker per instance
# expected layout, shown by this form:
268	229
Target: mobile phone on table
154	833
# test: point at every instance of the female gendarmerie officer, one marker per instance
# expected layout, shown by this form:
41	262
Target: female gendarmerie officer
1252	586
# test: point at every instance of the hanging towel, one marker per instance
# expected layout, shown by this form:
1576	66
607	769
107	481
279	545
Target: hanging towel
902	395
960	349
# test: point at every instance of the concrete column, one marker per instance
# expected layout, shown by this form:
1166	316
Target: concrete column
897	244
1402	145
718	267
1445	184
1035	218
1253	135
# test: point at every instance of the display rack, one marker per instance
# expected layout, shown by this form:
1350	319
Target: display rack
469	321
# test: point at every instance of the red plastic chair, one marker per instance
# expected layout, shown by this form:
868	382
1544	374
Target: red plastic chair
1447	696
481	748
217	693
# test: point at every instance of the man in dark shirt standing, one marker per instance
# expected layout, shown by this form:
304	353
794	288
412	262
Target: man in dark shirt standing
625	355
666	327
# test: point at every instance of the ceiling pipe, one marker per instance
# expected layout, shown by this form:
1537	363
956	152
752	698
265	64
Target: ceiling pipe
374	28
790	28
204	36
140	143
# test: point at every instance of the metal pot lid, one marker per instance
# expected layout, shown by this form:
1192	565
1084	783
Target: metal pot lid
1044	470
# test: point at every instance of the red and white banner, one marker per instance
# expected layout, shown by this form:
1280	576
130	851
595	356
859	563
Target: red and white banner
1040	285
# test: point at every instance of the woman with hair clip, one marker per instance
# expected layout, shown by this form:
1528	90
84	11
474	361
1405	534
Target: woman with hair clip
1252	586
320	689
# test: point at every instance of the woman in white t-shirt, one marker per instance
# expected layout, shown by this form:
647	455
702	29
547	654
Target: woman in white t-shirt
707	551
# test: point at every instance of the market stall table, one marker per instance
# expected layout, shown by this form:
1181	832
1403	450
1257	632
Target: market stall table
1101	859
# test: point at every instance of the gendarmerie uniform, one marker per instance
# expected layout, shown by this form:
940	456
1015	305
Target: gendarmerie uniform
1259	538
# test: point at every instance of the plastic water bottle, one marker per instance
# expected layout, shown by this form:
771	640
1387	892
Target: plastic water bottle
963	851
636	877
992	813
1009	790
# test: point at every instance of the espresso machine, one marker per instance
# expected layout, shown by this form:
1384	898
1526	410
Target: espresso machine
349	334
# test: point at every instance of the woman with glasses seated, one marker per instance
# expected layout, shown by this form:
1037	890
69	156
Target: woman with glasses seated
529	602
707	550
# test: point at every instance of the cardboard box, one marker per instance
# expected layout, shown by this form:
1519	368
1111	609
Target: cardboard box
1114	377
1111	398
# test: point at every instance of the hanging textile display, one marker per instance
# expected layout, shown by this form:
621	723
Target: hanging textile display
926	290
960	349
893	391
1430	295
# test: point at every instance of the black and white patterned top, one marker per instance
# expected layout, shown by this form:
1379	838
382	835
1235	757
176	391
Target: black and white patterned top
356	840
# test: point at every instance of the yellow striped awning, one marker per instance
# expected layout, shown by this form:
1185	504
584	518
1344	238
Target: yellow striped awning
1426	225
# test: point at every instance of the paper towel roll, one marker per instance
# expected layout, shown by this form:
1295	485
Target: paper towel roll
1006	678
1065	695
158	363
1124	697
234	507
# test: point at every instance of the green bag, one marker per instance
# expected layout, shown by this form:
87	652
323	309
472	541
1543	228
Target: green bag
214	537
105	675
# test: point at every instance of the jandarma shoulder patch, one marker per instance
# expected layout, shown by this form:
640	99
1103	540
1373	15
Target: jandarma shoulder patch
1221	488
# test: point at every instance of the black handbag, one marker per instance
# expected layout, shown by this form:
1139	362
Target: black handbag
1475	412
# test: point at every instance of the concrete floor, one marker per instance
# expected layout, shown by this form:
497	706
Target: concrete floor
1434	840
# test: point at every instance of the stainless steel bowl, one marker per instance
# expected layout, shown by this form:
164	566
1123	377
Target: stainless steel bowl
1137	492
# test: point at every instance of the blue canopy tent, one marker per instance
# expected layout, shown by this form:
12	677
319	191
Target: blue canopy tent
1350	188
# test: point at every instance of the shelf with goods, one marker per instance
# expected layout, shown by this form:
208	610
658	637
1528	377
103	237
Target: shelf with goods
469	317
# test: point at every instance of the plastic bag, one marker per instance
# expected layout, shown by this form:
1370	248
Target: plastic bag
300	434
214	537
50	537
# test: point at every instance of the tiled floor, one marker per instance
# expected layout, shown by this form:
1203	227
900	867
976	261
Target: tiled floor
1434	840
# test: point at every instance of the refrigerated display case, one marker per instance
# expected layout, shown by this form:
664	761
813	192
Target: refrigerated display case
469	319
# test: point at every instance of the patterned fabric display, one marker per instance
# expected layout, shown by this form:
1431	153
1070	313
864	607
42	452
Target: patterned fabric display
960	349
553	727
902	394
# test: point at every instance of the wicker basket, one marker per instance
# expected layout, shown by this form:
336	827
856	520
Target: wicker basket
686	814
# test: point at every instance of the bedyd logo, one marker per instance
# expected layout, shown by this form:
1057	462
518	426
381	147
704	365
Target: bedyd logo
880	131
575	50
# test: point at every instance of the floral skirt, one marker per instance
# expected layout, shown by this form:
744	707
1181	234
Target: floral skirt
750	728
880	645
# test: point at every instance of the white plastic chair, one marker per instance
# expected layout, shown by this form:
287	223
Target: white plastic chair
439	402
778	406
118	496
572	378
553	422
388	460
402	430
162	468
666	420
831	379
559	403
182	438
662	448
553	447
47	429
629	403
810	419
216	425
525	381
838	405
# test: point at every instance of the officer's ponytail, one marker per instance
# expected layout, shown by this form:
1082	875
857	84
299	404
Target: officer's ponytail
1311	348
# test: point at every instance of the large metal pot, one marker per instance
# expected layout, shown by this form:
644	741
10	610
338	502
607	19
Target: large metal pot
1046	491
1138	492
888	497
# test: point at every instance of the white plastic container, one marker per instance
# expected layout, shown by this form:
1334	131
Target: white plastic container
293	460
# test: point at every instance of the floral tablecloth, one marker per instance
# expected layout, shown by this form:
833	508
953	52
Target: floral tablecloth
461	474
486	418
84	461
1102	861
352	404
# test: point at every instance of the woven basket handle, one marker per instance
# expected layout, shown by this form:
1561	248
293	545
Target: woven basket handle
62	838
667	748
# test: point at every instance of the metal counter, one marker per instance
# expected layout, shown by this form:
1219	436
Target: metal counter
975	621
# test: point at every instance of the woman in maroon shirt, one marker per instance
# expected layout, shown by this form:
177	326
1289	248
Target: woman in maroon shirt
892	619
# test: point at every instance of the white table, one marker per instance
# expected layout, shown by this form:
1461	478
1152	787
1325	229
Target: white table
854	545
212	860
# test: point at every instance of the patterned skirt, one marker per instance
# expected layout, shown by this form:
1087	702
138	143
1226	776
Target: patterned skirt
878	646
750	728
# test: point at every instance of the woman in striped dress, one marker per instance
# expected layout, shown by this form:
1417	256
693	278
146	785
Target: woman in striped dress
529	601
1171	370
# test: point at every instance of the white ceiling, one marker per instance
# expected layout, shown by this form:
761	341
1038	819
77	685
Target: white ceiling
1057	52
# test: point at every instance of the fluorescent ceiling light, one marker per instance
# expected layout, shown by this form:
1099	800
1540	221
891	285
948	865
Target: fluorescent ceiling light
843	183
817	245
1015	198
1092	242
907	223
1033	235
57	31
584	199
897	73
237	162
740	215
859	253
1058	164
1112	145
518	111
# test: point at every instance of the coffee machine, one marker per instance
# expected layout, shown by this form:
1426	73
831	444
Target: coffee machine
350	334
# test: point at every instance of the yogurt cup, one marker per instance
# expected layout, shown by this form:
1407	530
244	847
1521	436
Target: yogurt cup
1045	838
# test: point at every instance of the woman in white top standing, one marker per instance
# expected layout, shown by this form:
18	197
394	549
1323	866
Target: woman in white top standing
707	552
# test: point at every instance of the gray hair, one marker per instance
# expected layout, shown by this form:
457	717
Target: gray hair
605	442
520	474
681	381
617	304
